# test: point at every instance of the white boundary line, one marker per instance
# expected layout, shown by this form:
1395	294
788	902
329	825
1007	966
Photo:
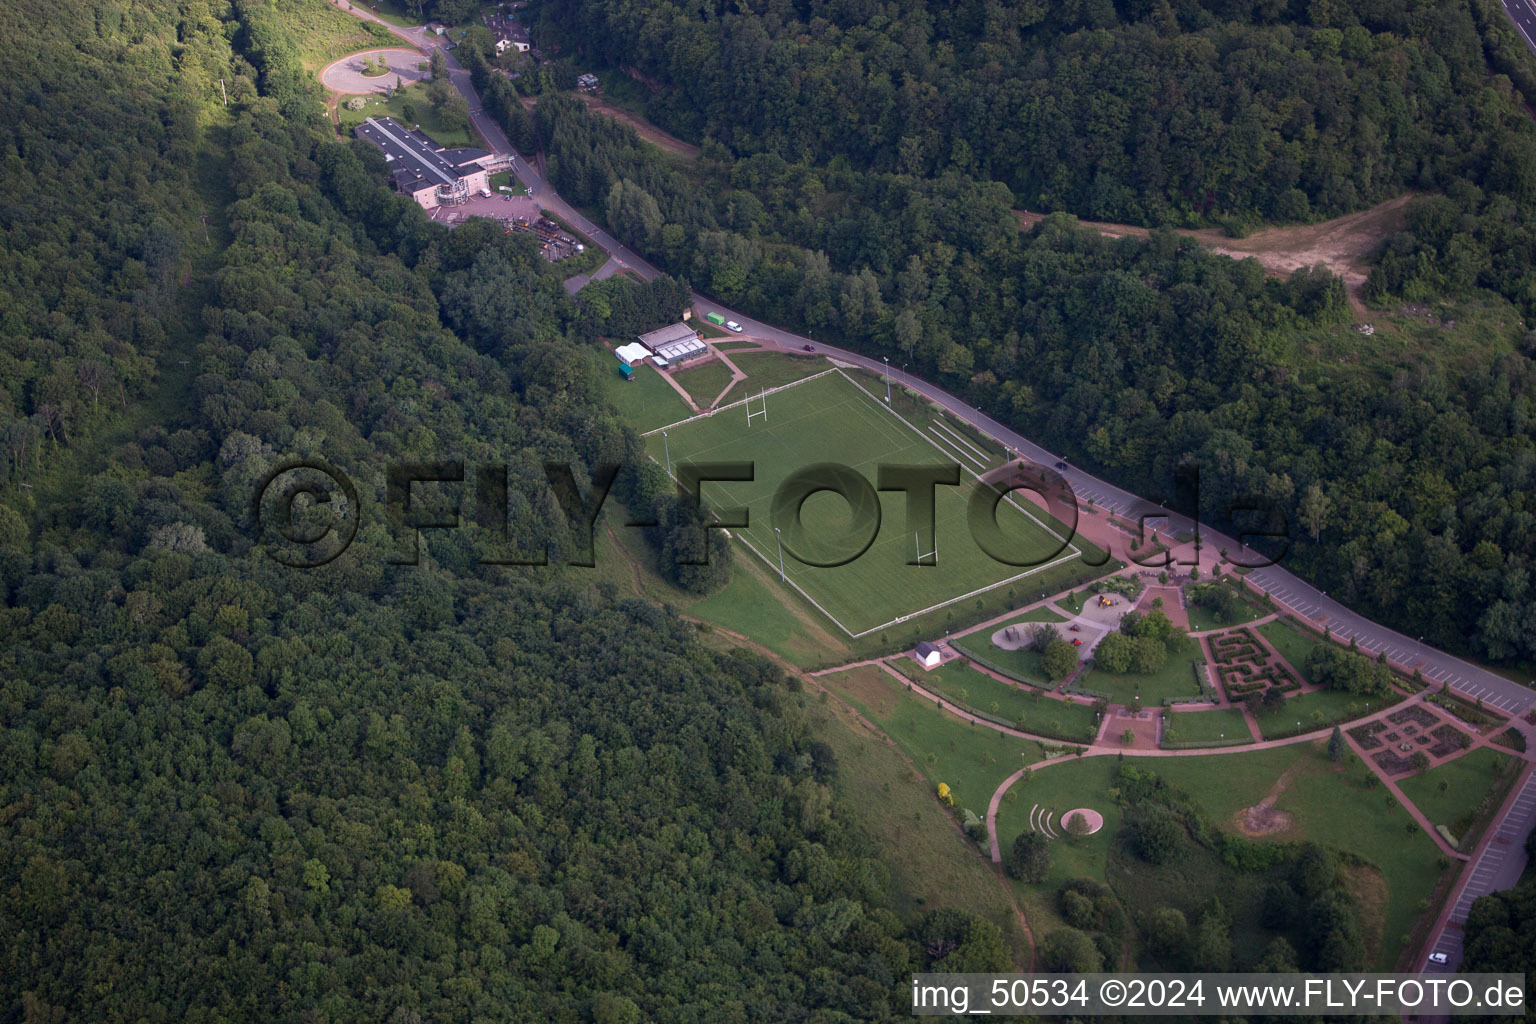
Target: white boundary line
1075	551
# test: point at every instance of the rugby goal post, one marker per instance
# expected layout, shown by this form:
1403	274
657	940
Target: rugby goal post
762	409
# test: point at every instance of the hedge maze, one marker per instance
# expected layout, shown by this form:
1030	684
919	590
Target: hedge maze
1245	666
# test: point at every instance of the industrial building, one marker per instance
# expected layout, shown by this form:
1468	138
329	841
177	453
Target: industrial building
420	168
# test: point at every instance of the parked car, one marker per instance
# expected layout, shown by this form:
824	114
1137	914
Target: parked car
1061	465
1439	958
732	325
809	348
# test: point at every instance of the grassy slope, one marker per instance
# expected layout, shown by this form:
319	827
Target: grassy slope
930	863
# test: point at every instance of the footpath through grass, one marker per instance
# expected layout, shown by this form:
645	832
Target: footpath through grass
1328	803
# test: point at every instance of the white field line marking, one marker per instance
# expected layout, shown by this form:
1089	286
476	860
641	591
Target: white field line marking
929	438
739	401
983	456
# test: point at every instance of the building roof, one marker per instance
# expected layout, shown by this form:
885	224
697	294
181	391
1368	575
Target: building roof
924	649
632	353
415	161
682	348
671	332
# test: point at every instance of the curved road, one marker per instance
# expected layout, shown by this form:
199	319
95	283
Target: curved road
1286	588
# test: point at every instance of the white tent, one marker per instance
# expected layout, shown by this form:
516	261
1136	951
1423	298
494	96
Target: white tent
634	353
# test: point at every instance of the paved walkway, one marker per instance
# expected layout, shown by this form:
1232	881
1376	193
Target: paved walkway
346	75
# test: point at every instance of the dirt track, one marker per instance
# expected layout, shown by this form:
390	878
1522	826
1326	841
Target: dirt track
647	131
1343	245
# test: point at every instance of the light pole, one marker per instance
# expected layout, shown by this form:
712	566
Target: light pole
887	379
778	536
667	446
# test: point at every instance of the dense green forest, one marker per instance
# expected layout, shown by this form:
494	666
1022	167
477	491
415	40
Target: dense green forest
1405	477
1154	112
234	790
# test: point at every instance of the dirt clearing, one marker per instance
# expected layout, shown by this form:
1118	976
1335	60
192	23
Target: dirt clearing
1343	245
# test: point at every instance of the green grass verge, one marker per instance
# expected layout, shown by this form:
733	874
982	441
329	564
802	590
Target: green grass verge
774	369
1205	726
324	34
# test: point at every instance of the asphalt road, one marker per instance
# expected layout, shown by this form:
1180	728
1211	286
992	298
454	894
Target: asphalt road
1523	14
1286	588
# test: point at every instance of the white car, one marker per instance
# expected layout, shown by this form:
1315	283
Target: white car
732	325
1439	958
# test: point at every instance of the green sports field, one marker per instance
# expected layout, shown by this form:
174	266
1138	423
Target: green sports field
828	418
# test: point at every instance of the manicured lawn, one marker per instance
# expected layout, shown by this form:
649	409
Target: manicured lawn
1205	726
773	369
1025	664
930	865
1175	679
830	419
1316	710
1200	619
414	96
705	381
1291	643
1072	602
1467	780
647	402
971	760
1029	710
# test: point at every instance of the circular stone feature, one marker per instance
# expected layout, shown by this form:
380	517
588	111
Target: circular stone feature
1094	819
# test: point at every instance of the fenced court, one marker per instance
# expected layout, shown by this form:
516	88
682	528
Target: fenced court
828	418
